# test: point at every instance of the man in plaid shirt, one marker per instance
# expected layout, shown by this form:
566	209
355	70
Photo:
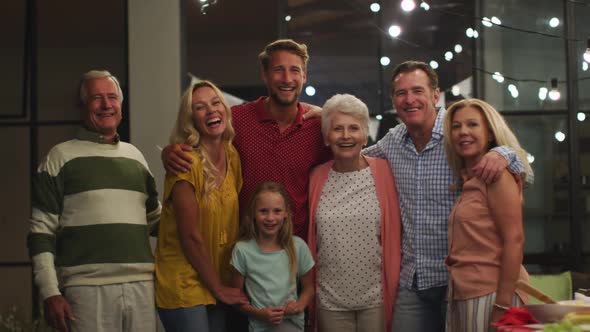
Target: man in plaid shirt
415	150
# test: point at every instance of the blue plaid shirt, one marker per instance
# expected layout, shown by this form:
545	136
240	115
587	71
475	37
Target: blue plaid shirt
423	180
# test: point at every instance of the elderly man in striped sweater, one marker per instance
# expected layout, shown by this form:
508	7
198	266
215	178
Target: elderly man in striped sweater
94	199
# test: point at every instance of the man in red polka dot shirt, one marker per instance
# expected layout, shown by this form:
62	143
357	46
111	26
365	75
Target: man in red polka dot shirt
272	138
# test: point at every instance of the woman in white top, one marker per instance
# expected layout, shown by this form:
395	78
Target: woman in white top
354	228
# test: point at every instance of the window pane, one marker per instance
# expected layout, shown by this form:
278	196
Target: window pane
74	37
223	45
520	55
15	179
343	43
582	32
584	159
12	56
546	209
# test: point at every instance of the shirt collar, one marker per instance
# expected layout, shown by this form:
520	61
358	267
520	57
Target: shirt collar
437	130
263	116
84	134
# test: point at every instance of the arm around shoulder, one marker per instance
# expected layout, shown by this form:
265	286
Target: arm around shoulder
175	158
515	165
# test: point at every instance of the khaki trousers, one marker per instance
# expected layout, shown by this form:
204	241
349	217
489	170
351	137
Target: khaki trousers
366	320
126	307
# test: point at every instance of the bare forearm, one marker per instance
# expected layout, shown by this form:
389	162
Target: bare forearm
194	245
306	296
504	203
198	256
251	311
510	263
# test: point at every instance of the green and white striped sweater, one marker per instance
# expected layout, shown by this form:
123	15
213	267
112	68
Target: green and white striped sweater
92	205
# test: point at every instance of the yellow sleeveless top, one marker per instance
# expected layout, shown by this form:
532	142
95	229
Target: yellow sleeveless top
178	284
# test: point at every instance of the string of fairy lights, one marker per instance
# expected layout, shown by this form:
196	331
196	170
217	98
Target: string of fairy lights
550	86
395	31
553	94
544	92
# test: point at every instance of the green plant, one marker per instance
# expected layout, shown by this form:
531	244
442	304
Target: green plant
12	322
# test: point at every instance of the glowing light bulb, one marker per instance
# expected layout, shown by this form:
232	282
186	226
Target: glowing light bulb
584	65
554	94
310	91
514	94
554	22
456	90
543	93
530	158
425	6
408	5
394	30
433	64
513	90
458	48
498	77
486	22
379	117
469	32
581	116
559	136
385	61
375	7
448	55
496	20
288	18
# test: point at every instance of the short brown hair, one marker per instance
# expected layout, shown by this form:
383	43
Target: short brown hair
288	45
409	66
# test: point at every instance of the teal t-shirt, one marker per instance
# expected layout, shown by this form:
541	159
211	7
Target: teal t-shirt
267	277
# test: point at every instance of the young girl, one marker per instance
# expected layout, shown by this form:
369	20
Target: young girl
269	259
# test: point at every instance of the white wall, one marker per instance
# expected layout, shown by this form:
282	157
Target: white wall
155	65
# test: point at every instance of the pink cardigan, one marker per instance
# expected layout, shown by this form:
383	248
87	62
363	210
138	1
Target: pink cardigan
390	229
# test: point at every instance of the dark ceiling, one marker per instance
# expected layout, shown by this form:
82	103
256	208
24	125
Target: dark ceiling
344	37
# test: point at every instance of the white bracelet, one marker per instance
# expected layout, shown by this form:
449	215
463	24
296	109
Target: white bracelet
500	306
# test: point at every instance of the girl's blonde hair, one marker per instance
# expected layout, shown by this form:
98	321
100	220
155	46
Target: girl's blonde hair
184	131
501	132
249	230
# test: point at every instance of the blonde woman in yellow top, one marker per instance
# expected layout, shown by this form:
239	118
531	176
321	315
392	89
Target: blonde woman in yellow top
200	218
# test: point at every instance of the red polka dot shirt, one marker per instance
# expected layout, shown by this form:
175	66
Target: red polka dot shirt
286	158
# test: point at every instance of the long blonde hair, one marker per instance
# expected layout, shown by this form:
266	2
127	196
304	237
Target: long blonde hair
184	131
501	132
249	230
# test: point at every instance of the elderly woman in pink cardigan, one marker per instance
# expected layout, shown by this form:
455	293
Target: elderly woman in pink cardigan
354	227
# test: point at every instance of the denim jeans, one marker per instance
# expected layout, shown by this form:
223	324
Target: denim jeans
420	310
210	318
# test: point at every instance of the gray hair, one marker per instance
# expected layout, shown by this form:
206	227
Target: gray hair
345	104
92	75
